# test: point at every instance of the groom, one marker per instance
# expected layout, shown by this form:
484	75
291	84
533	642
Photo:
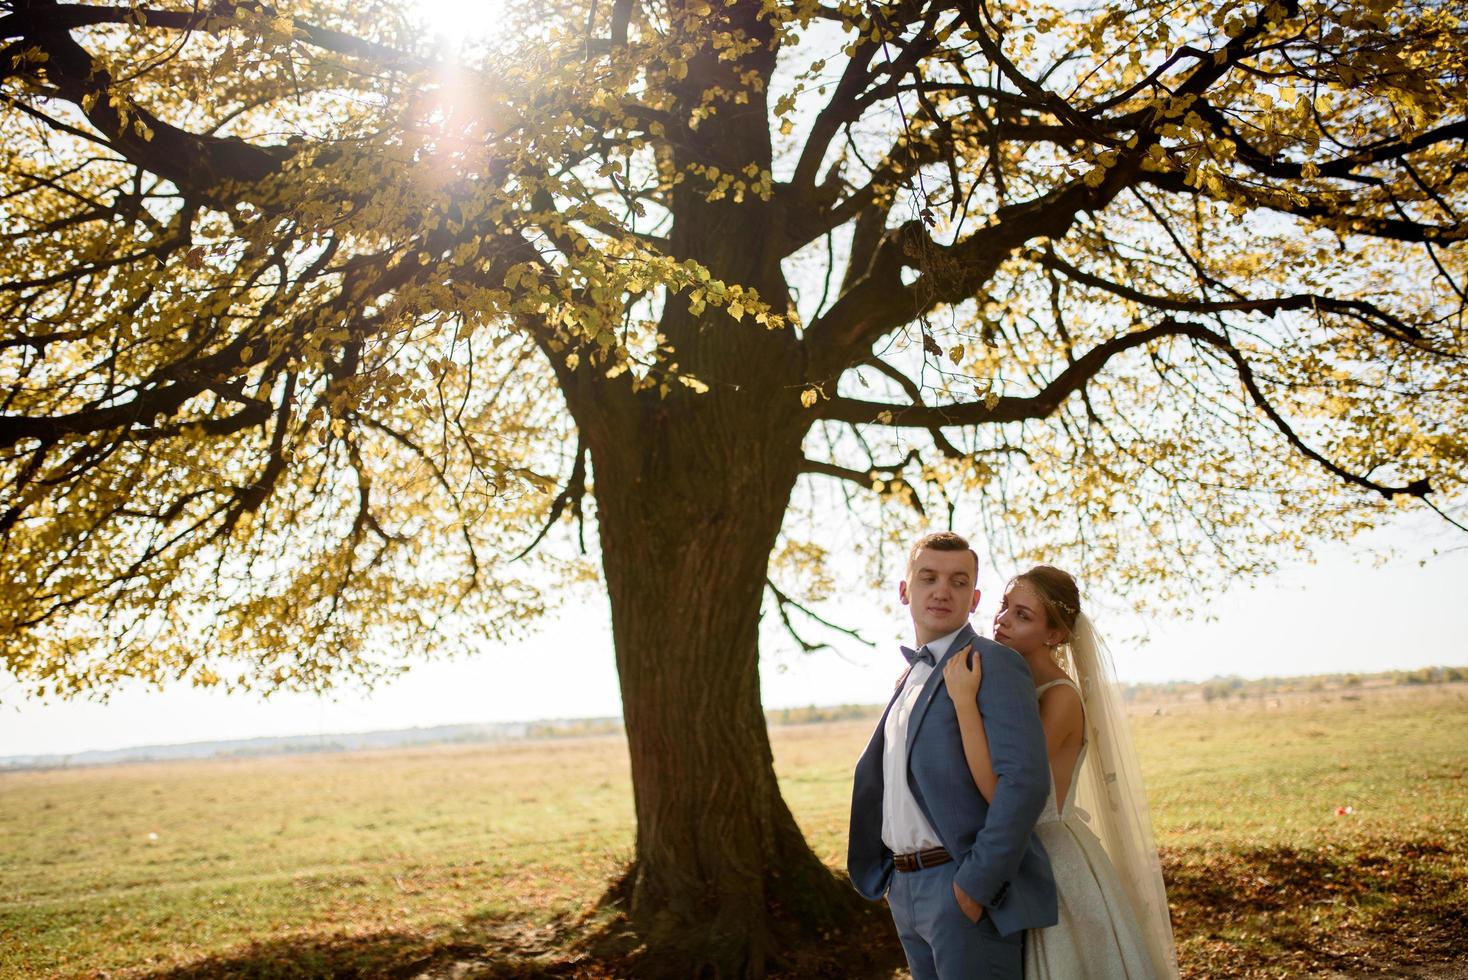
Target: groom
969	876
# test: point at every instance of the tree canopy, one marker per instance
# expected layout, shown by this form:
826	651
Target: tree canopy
312	319
288	288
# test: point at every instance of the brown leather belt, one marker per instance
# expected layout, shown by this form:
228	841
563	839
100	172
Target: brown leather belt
917	860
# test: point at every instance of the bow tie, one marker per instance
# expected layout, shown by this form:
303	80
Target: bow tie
920	655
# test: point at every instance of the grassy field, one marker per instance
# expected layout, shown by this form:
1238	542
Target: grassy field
384	864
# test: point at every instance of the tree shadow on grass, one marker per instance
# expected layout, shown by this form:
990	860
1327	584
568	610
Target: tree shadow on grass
485	948
1364	905
497	951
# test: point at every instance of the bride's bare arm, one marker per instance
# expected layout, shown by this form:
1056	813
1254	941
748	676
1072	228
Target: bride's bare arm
963	682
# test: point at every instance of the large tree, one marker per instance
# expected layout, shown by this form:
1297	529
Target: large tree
313	320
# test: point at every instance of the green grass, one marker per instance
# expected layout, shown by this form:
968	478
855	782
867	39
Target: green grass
1244	773
329	864
1266	878
358	844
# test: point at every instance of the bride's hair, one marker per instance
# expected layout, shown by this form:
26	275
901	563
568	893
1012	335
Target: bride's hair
1058	594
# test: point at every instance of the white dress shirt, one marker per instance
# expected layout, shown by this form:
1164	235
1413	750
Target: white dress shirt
904	828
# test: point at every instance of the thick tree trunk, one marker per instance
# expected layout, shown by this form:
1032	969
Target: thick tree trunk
689	506
691	491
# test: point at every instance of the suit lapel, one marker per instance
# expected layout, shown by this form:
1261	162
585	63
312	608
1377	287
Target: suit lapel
930	688
879	734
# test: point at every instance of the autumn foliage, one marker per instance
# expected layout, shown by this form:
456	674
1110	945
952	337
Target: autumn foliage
313	319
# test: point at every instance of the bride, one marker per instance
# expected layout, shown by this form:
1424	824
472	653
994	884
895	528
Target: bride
1114	921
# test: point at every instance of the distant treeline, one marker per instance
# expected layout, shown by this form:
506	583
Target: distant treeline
572	728
1214	689
813	715
1219	688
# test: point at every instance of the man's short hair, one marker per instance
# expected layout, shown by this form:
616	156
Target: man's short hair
941	541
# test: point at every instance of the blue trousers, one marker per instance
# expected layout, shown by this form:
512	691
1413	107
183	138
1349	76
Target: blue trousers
939	940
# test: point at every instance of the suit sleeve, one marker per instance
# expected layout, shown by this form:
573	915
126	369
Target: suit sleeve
1017	748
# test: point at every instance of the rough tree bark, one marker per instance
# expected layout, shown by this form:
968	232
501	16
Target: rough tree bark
723	880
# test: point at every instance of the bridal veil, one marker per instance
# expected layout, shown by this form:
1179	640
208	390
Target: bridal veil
1110	791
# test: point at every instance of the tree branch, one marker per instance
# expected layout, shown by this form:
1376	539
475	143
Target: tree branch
1368	313
571	495
202	166
1006	408
842	108
879	301
1327	216
868	477
912	390
782	601
1074	378
34	18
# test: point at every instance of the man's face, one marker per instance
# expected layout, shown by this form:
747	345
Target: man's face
940	591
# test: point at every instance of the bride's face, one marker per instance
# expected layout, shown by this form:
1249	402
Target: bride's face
1020	623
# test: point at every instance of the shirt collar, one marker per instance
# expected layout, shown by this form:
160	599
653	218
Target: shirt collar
940	646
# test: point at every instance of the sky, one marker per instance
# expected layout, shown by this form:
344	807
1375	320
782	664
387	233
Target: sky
1344	613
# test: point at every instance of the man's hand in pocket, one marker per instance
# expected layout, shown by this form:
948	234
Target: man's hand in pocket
970	908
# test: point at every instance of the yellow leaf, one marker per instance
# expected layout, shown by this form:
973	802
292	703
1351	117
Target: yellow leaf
809	396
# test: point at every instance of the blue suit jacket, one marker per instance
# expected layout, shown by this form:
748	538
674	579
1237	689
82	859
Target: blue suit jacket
1001	865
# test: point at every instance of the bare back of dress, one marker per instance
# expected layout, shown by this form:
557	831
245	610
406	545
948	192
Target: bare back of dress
1053	813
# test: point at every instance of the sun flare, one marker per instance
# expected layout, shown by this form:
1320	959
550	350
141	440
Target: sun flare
459	22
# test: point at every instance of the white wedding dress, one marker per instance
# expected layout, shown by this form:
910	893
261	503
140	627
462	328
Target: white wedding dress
1098	936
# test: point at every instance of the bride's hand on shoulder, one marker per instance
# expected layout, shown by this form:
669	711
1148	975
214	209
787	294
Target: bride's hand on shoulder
963	674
